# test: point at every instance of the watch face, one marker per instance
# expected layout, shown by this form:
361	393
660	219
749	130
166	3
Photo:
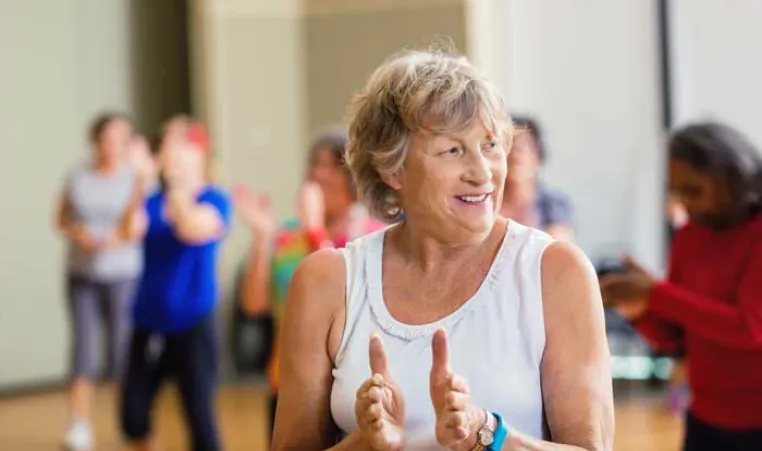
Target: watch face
486	437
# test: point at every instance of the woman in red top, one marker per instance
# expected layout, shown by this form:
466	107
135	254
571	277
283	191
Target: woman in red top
710	306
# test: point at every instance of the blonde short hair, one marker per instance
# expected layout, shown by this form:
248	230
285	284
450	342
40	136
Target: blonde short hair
414	91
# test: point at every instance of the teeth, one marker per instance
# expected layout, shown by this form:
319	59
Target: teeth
473	199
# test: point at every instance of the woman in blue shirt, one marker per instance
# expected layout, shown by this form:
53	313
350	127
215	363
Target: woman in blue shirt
175	334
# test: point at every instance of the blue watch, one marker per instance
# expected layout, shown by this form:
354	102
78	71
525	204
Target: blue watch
500	434
491	436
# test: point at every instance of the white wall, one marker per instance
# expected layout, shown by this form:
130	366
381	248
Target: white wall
717	68
38	128
63	62
588	71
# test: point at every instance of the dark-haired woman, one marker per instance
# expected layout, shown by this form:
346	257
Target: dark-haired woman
710	306
328	216
526	200
102	266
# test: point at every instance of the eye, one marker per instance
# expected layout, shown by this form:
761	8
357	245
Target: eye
491	146
452	151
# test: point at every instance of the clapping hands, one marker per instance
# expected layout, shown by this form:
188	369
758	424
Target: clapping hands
380	406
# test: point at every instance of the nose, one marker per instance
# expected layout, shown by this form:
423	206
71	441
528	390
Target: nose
479	169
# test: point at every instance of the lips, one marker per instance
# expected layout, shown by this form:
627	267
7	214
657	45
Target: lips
473	198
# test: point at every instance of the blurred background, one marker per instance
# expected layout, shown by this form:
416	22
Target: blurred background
607	80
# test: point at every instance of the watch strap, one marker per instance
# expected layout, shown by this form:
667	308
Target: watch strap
500	433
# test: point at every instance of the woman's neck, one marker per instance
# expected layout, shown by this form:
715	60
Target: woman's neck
105	166
427	254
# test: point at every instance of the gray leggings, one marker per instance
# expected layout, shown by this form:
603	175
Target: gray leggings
93	305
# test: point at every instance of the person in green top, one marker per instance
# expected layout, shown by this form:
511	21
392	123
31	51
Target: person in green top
328	215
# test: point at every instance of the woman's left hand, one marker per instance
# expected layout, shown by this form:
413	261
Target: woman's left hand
627	293
457	419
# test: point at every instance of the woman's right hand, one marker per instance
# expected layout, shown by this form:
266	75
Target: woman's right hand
255	209
84	240
380	406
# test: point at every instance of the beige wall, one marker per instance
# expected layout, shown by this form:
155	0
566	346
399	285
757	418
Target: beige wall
39	116
343	47
267	75
63	61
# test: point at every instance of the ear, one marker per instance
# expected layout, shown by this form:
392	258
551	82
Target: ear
393	180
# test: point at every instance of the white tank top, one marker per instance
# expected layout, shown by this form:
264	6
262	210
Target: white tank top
496	339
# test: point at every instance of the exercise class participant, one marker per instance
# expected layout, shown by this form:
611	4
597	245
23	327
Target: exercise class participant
102	268
175	334
710	305
482	328
328	214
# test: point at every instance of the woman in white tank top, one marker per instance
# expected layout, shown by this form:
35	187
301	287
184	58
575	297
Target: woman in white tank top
455	328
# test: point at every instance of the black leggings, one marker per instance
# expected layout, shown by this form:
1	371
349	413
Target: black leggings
191	359
700	436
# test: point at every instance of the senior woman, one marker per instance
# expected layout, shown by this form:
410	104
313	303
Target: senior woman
453	328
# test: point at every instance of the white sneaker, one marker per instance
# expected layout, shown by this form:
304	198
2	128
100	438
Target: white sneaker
79	437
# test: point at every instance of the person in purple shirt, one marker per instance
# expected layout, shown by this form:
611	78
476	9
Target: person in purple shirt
526	199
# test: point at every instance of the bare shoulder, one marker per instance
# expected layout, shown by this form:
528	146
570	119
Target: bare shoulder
317	298
321	276
566	268
571	294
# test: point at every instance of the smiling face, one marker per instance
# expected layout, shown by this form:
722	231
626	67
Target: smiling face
452	184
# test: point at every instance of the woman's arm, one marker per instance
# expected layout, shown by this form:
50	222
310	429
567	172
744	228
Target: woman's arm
575	370
197	222
255	286
736	325
309	336
133	224
64	221
72	229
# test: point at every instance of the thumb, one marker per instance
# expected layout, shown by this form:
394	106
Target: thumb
378	360
440	363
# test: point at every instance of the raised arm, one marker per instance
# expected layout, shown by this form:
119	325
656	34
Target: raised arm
197	222
255	285
575	371
310	335
134	221
258	214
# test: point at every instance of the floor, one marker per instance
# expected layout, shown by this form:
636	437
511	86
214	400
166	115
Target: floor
36	422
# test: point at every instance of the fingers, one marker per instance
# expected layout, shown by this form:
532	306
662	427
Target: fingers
459	384
633	265
619	288
378	360
440	363
457	402
372	416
